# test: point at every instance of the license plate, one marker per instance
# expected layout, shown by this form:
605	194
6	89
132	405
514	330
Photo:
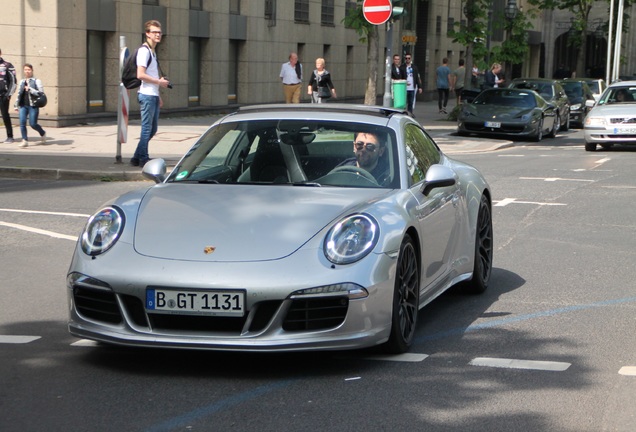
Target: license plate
625	131
216	303
492	124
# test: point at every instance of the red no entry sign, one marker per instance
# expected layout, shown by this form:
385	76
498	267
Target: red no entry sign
377	11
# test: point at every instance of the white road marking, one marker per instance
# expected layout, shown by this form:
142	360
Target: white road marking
504	202
628	370
602	161
45	212
353	378
85	343
8	339
519	364
510	155
553	179
39	231
408	357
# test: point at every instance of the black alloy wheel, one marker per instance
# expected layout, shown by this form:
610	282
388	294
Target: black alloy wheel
483	250
406	298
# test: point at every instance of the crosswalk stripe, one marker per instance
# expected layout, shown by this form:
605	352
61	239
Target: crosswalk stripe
519	364
8	339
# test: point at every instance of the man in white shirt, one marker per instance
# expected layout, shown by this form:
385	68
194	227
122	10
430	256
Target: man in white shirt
148	95
291	75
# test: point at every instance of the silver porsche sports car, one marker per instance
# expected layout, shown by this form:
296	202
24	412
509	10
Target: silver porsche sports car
285	227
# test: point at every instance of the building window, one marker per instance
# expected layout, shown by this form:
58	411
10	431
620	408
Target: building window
438	25
196	5
95	71
301	11
270	12
151	2
326	13
450	25
235	7
350	6
194	72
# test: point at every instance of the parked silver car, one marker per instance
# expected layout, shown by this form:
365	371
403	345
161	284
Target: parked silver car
613	118
285	227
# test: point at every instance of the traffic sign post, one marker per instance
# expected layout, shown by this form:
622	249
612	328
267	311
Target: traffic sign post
122	102
377	11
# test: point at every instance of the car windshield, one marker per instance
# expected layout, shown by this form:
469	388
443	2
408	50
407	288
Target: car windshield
544	89
574	90
294	153
594	86
506	98
619	95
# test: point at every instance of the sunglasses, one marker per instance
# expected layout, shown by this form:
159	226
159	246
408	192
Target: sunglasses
408	58
371	147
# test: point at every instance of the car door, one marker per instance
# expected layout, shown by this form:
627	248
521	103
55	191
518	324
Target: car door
436	213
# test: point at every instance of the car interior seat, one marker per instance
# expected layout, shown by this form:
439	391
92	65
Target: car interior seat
268	164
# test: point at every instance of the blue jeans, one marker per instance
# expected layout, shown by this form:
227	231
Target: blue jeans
32	113
149	108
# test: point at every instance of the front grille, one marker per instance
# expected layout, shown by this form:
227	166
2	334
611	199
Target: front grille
261	314
96	304
197	323
505	128
624	120
316	313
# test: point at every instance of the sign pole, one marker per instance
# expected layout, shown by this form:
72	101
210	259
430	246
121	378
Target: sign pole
122	102
386	101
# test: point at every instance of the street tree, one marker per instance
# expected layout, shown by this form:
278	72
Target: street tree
369	34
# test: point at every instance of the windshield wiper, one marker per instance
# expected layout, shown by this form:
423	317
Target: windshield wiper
310	184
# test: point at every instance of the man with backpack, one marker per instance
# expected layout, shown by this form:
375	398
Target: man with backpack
7	87
150	102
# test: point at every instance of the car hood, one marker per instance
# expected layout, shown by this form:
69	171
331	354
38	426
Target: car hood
624	110
218	223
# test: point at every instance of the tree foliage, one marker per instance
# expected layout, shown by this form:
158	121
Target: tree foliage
368	33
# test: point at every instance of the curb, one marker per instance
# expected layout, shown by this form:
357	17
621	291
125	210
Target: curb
65	174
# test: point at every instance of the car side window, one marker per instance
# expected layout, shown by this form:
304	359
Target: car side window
421	153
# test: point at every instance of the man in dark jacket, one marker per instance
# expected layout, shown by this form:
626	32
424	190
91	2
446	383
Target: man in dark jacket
397	73
413	83
7	87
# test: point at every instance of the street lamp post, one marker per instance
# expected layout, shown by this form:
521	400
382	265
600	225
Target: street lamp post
510	12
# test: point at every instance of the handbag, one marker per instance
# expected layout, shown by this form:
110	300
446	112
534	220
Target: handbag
324	93
40	100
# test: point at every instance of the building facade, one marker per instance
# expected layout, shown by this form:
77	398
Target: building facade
220	54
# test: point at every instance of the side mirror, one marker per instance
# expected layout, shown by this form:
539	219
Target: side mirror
438	176
590	103
155	170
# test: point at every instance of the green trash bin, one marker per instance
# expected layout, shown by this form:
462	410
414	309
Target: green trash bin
399	94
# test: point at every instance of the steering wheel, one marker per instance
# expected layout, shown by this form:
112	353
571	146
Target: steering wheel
352	169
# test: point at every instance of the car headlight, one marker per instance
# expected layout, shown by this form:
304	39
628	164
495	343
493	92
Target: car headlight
102	231
595	121
351	239
575	107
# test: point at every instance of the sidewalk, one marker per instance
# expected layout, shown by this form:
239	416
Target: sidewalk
88	152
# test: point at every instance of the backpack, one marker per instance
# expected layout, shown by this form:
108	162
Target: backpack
7	78
129	71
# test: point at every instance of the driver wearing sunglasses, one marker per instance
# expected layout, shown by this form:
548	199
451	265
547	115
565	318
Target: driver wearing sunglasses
370	156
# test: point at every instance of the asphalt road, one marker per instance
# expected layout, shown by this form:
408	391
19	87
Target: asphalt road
549	347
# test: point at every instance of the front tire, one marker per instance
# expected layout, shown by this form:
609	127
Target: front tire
483	250
590	147
539	136
406	299
566	126
556	125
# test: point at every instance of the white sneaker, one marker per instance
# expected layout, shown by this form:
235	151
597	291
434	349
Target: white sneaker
43	139
24	144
